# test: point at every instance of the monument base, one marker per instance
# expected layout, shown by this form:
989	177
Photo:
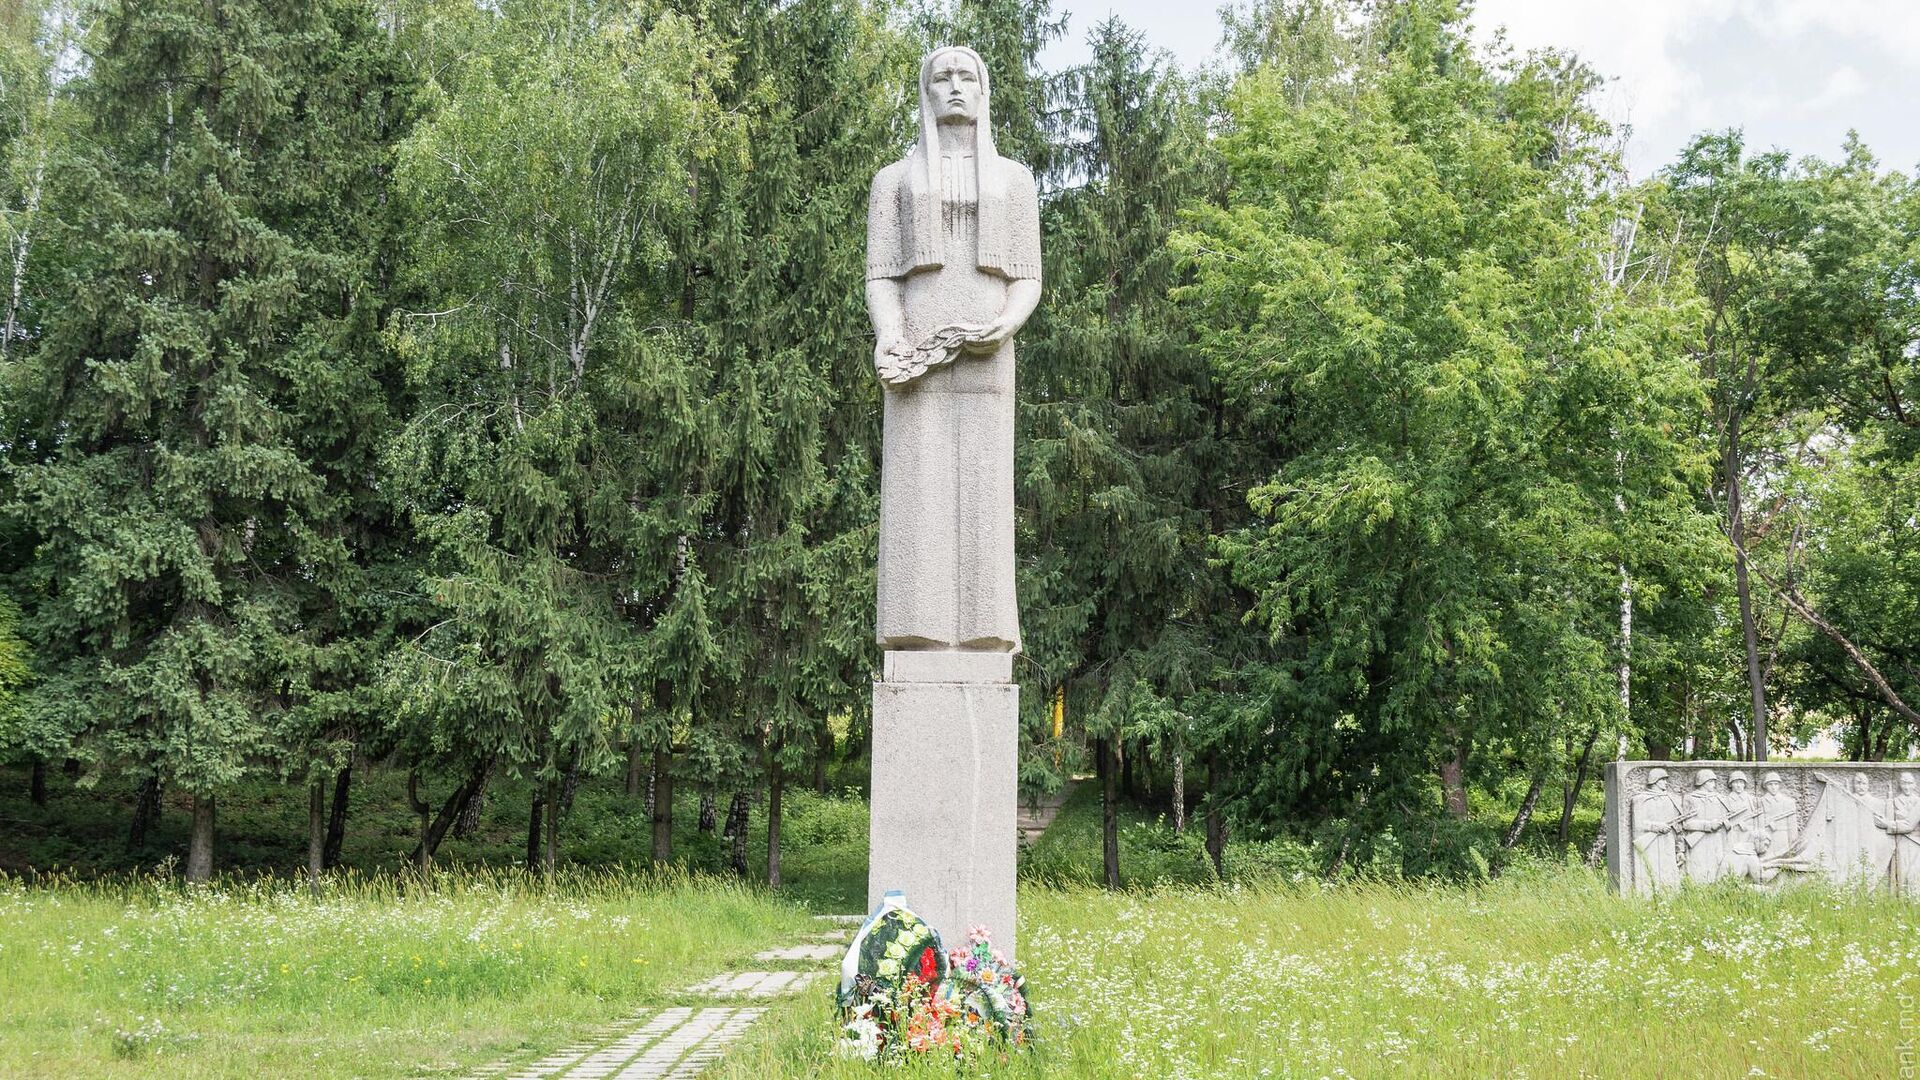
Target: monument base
946	731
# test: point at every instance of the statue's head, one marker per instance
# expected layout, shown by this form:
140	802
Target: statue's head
953	85
1738	782
1906	783
1707	780
1859	783
1772	783
1657	779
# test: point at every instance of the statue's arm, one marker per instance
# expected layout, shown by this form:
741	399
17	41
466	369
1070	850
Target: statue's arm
1023	292
886	295
887	307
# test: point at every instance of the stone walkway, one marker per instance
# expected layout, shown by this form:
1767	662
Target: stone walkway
680	1042
1032	820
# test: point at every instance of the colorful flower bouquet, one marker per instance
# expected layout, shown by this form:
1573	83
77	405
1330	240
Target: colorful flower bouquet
900	995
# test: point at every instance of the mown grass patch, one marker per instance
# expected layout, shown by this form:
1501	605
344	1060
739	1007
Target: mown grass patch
1542	974
376	977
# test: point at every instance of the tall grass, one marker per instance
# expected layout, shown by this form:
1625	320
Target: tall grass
386	975
1541	974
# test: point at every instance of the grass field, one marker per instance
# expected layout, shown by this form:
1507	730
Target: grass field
1538	976
1537	973
375	979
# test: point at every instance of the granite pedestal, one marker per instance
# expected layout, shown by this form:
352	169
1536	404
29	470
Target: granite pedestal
945	745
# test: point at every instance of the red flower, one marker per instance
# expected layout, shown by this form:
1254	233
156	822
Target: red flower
927	971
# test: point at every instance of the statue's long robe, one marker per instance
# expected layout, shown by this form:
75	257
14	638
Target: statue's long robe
946	478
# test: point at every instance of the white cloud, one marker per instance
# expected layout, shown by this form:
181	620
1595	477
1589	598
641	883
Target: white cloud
1795	73
1843	85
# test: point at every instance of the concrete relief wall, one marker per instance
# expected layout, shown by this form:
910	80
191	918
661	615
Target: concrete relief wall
1766	824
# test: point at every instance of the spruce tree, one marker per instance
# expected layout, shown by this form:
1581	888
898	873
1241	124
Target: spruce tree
772	268
543	468
202	388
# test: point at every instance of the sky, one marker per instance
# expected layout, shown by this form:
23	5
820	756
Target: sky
1793	74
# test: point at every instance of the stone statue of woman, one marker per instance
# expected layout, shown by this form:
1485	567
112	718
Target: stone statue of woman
953	272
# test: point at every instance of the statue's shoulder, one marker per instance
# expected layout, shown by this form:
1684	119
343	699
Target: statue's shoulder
1015	172
890	176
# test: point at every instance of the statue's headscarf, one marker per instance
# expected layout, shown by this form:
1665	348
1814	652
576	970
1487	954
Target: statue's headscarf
930	141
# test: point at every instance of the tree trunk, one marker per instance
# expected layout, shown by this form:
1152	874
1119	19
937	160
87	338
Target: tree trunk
1571	796
820	760
1216	822
1736	531
422	854
1453	782
37	782
636	758
535	821
455	807
337	818
550	854
736	829
200	846
1179	790
1129	783
775	781
146	811
467	824
1109	814
569	785
316	833
662	815
1525	813
708	812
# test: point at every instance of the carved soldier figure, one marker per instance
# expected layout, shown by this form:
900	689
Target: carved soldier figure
1656	817
1779	818
1743	818
1855	851
1902	820
953	272
1705	828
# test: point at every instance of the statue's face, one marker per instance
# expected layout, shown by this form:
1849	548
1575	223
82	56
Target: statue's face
1710	785
953	88
1739	787
1773	787
1906	785
1859	783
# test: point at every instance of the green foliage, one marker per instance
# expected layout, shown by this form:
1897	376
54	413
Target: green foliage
483	391
1448	420
203	388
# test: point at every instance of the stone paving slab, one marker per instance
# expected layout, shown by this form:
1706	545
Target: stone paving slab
835	935
756	984
710	1051
665	1054
603	1062
680	1042
843	920
801	952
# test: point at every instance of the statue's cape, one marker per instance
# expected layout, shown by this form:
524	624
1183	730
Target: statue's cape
901	238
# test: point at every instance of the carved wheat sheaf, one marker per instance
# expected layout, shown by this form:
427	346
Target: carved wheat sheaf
905	363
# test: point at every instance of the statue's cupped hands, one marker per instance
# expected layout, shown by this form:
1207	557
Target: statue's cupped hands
901	363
